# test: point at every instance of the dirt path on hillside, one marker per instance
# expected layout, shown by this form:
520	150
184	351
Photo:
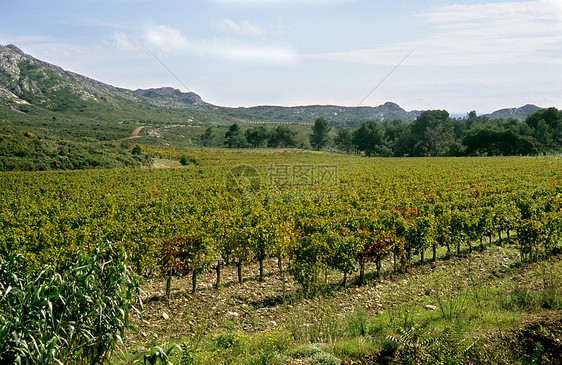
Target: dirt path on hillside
136	132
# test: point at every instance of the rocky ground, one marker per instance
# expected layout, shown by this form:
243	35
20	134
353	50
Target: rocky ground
255	306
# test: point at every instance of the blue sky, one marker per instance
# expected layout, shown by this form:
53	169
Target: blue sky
467	55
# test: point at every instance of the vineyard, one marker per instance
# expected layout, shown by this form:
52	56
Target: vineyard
374	217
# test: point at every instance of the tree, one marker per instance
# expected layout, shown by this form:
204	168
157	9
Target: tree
283	136
220	226
241	237
320	137
344	140
530	233
394	130
419	234
234	137
306	261
207	137
370	139
374	246
137	150
256	136
547	127
433	133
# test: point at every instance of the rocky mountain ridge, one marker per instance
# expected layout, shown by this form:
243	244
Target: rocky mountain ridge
25	80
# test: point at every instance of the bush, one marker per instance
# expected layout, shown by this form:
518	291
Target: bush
306	350
324	358
184	160
75	317
314	354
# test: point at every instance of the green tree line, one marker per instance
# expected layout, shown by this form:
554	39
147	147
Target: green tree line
433	133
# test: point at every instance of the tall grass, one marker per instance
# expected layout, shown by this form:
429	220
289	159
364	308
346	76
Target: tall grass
76	316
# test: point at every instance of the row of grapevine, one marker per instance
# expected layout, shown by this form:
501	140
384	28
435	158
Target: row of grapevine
183	221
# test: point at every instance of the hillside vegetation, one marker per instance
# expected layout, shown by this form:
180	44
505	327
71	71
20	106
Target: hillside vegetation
60	107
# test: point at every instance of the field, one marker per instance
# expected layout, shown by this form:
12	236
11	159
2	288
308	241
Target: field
317	257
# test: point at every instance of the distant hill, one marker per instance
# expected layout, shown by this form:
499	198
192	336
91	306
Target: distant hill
516	113
171	97
26	81
350	116
34	92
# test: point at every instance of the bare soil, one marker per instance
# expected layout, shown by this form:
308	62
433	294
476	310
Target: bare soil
256	306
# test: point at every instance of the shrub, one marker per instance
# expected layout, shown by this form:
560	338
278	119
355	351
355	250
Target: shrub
306	350
314	354
417	345
324	358
184	160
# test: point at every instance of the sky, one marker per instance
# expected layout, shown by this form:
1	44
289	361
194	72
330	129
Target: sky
456	55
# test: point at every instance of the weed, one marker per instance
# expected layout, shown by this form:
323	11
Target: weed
158	354
223	341
357	322
451	347
520	298
314	354
322	327
413	347
551	294
324	358
228	324
535	358
452	307
356	347
418	346
306	350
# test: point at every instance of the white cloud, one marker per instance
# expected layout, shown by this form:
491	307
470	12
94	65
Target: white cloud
25	39
124	43
281	2
166	38
76	58
472	34
244	28
252	53
516	11
508	32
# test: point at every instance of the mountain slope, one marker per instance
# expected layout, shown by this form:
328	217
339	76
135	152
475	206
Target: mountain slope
517	113
171	97
32	90
350	116
25	80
